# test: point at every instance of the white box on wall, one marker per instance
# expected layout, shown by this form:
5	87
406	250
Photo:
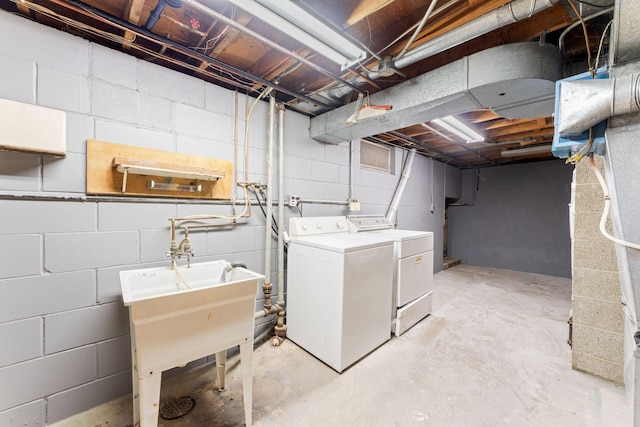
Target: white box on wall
32	128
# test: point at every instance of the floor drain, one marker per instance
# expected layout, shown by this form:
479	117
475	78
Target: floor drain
177	408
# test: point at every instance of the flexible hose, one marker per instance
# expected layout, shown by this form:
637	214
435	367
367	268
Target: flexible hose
605	212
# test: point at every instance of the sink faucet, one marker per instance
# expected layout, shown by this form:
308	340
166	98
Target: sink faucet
228	268
183	248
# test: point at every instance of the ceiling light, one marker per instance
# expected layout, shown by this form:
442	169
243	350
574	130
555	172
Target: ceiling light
291	19
458	128
538	149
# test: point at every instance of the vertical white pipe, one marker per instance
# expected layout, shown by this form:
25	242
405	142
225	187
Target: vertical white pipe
234	192
406	172
269	207
350	170
281	226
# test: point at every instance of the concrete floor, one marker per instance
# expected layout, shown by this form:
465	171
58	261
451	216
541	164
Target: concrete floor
493	353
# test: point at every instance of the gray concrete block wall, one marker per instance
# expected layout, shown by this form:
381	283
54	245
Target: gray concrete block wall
51	84
26	338
21	87
20	172
64	333
519	220
598	321
32	414
39	295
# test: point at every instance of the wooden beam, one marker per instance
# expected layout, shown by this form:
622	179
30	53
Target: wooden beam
503	123
452	21
24	9
526	126
365	8
229	34
132	13
482	116
546	132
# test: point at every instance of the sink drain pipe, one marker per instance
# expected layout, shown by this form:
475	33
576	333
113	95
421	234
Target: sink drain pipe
267	286
280	329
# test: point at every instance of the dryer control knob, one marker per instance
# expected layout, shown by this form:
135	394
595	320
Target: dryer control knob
304	226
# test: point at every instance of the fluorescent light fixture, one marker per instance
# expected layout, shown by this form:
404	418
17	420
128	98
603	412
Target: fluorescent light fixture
153	185
293	20
538	149
458	128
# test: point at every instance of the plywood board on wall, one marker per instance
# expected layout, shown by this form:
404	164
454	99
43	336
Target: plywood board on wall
103	178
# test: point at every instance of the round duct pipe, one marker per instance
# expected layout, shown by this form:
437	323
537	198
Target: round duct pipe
585	103
509	13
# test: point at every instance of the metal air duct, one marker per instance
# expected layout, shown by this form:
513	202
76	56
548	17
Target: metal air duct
585	103
515	80
510	13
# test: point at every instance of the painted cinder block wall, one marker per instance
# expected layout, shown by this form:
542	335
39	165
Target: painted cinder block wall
64	333
515	217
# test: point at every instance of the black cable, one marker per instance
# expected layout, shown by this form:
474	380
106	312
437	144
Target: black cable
274	226
273	218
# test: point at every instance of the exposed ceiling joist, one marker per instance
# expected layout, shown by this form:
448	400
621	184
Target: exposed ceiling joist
364	8
192	40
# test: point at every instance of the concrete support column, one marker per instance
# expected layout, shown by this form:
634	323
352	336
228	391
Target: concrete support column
597	341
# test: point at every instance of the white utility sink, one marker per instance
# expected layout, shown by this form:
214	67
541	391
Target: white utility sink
180	316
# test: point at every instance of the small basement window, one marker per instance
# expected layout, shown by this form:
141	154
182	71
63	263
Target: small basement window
375	156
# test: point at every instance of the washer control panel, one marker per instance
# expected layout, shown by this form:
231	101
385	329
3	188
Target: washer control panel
307	226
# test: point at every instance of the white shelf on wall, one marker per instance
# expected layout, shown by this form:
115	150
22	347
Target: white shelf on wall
131	166
32	128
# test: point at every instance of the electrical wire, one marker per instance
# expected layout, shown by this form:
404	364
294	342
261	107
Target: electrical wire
423	21
414	26
274	225
584	150
604	33
605	211
130	42
586	33
215	39
211	43
244	185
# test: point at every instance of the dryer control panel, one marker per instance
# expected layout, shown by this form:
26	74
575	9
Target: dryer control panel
368	223
307	226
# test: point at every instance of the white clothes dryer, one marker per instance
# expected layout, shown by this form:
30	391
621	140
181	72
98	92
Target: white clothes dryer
413	268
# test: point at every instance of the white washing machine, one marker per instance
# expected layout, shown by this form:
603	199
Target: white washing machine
413	269
339	290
